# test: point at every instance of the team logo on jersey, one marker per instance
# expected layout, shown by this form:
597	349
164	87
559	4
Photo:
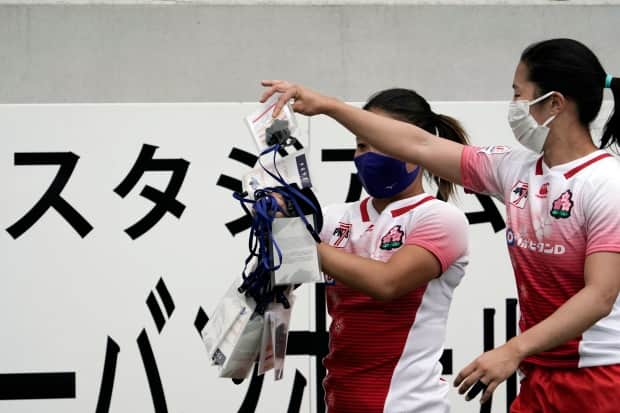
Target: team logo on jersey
543	191
393	239
562	206
341	235
514	239
518	194
494	150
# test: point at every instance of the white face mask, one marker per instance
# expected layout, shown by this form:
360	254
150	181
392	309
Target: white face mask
525	128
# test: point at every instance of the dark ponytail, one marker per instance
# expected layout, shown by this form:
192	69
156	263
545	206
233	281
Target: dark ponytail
448	128
571	68
611	133
408	106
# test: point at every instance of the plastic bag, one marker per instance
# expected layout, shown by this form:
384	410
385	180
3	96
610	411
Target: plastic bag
232	335
275	338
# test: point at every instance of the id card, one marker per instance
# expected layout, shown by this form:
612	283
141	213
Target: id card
262	118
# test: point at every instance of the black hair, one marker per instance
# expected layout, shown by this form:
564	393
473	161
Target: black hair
571	68
408	106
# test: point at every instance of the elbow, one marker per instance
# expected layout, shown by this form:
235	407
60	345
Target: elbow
605	303
386	291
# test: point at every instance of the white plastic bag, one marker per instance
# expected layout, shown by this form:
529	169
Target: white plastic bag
300	258
232	335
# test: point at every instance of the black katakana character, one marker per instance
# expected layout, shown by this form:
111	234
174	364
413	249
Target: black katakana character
51	197
164	201
32	386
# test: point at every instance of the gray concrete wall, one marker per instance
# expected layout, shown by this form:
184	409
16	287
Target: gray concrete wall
205	52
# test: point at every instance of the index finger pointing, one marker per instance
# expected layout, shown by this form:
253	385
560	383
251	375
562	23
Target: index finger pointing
269	82
283	100
267	94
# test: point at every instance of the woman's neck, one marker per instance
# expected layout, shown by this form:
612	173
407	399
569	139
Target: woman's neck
414	189
568	143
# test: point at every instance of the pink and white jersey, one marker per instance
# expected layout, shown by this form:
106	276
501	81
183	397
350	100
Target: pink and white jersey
555	217
384	355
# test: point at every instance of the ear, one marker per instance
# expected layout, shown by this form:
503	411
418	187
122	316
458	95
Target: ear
558	102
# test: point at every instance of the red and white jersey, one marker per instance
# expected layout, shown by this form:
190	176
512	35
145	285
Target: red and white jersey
555	217
384	355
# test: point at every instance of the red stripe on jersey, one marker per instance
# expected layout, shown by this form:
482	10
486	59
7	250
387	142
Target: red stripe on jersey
539	166
584	165
576	169
364	210
407	208
367	340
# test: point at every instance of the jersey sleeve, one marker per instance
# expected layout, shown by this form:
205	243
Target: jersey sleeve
483	169
442	230
602	217
332	214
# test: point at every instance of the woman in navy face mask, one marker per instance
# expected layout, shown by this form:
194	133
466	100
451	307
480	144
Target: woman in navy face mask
393	259
562	194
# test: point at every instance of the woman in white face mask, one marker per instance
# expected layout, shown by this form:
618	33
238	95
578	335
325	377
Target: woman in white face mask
563	240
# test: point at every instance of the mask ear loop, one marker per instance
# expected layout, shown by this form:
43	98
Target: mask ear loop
548	121
540	99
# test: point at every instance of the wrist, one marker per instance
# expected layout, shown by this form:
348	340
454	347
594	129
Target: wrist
329	106
518	347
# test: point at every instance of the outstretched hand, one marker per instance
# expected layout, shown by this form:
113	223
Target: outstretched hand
490	369
305	101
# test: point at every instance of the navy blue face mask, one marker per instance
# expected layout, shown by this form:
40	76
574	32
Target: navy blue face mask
382	176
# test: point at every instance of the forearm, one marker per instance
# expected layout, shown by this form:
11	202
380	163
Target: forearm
388	135
363	274
357	272
399	139
569	321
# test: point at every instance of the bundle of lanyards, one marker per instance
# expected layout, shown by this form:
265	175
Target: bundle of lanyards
263	208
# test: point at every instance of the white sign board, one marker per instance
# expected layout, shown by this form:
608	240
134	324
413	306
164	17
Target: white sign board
117	240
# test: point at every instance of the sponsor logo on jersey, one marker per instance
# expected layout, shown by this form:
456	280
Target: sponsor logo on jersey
543	190
393	239
494	150
516	240
563	205
518	194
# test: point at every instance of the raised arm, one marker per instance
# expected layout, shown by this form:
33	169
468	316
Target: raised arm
394	138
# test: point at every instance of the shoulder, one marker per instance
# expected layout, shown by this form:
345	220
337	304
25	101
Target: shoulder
601	182
503	162
606	172
503	152
335	213
440	216
437	209
337	210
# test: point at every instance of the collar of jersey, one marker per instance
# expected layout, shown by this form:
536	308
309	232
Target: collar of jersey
396	208
571	168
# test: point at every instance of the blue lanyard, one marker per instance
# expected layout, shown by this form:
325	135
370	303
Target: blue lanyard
257	284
